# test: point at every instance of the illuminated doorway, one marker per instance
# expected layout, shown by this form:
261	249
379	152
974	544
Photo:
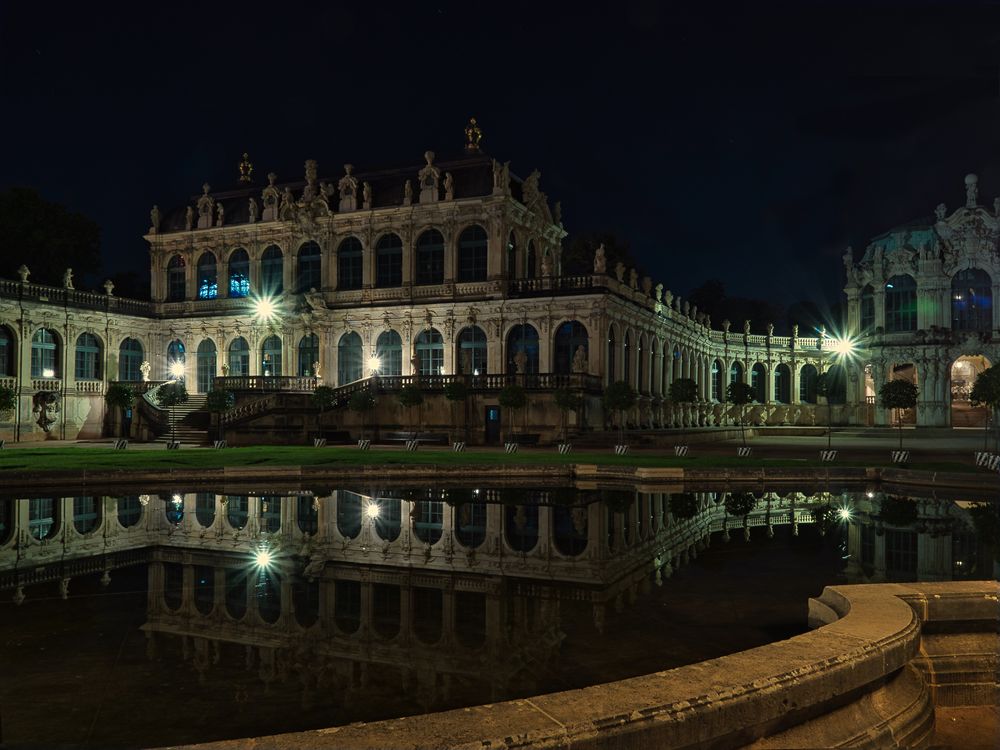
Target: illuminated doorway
964	372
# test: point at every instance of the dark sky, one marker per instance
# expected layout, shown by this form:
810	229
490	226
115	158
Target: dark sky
749	143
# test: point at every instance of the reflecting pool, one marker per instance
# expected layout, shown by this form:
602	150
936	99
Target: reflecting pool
154	619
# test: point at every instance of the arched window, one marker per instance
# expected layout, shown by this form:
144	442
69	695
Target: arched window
44	354
640	368
86	514
971	300
6	351
239	273
270	356
676	366
511	257
307	515
308	354
627	358
472	254
237	511
176	279
529	261
43	517
173	510
782	384
718	392
867	308
208	277
272	272
270	514
175	353
129	510
758	383
204	509
522	338
807	384
207	366
130	355
570	336
350	364
736	372
389	352
88	357
430	258
430	352
470	357
612	354
389	261
900	304
239	357
309	270
350	257
836	385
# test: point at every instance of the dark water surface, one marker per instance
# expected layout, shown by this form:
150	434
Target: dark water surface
162	619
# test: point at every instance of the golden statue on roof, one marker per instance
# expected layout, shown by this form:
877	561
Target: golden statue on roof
246	168
473	135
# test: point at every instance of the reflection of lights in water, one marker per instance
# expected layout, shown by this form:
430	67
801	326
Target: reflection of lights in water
263	557
870	494
844	514
177	500
371	510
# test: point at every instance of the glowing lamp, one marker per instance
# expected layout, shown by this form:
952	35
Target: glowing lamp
264	309
374	363
371	510
843	347
844	514
177	370
48	372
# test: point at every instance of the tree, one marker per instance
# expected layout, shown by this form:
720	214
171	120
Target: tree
119	396
898	395
619	396
741	394
170	395
219	401
683	391
456	391
47	237
409	396
323	399
823	383
739	504
8	400
362	402
567	401
512	398
986	392
683	505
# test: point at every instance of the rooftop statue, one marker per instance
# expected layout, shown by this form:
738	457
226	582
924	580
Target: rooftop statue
600	261
971	191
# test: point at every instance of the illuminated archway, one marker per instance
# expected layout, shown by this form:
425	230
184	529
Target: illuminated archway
962	376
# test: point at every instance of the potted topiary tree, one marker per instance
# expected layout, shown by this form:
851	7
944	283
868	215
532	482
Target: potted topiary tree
409	396
740	394
362	402
323	399
512	398
986	392
620	397
739	504
566	401
456	391
168	396
898	395
218	402
684	391
119	396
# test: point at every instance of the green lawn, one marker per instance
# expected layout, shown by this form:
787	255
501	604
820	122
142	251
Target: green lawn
104	458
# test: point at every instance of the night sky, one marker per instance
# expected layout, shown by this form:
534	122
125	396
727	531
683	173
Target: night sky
750	144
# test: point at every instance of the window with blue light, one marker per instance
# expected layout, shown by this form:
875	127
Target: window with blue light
208	278
239	273
900	304
971	300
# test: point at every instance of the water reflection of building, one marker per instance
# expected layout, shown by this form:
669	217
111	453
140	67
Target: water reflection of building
894	538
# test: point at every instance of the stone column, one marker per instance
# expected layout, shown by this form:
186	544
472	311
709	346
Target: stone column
878	298
329	271
222	277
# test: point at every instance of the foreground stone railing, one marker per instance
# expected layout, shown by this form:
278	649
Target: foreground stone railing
859	680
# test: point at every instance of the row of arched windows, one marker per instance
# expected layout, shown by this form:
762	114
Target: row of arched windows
971	303
88	356
471	265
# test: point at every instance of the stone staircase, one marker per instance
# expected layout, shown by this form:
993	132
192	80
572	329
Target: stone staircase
188	422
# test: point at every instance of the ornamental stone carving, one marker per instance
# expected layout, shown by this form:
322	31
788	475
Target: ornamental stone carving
600	261
449	187
154	219
271	198
348	188
429	177
971	191
620	272
206	204
252	211
366	196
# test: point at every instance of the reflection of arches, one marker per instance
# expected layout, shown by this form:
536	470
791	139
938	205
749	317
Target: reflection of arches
521	527
86	514
470	524
173	585
237	512
347	605
569	529
204	509
268	596
349	514
386	612
236	592
43	517
963	373
427	517
6	520
305	602
428	610
270	514
204	589
388	521
173	510
307	514
129	511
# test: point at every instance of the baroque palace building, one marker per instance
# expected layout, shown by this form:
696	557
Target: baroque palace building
447	269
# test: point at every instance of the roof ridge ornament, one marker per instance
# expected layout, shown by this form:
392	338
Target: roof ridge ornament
473	135
246	169
971	191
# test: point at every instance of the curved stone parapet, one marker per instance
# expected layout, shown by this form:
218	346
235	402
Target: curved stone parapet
854	681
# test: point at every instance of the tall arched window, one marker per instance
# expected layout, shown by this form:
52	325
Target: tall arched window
511	257
900	304
309	269
570	336
472	254
470	354
207	366
676	365
350	259
208	277
718	392
44	354
807	384
43	517
175	353
176	279
239	273
270	356
389	351
529	261
971	300
430	258
522	338
627	358
130	355
867	308
782	384
836	385
389	261
88	357
239	357
272	272
350	361
736	372
308	354
6	351
86	514
430	352
758	383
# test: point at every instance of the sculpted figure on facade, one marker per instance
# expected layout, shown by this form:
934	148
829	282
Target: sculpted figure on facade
940	211
317	371
546	264
145	368
658	292
68	278
971	191
271	198
746	327
315	300
154	219
407	193
348	187
45	404
647	285
220	213
23	273
449	187
497	176
600	261
557	213
366	196
109	287
580	359
205	205
530	191
287	209
770	329
310	192
429	177
252	210
188	219
620	272
520	361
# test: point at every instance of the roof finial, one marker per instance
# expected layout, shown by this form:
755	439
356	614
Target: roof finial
473	135
246	168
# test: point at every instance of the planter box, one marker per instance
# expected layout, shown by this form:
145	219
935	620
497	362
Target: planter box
680	451
565	448
621	450
364	445
173	445
219	444
510	447
319	442
742	452
458	446
412	445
